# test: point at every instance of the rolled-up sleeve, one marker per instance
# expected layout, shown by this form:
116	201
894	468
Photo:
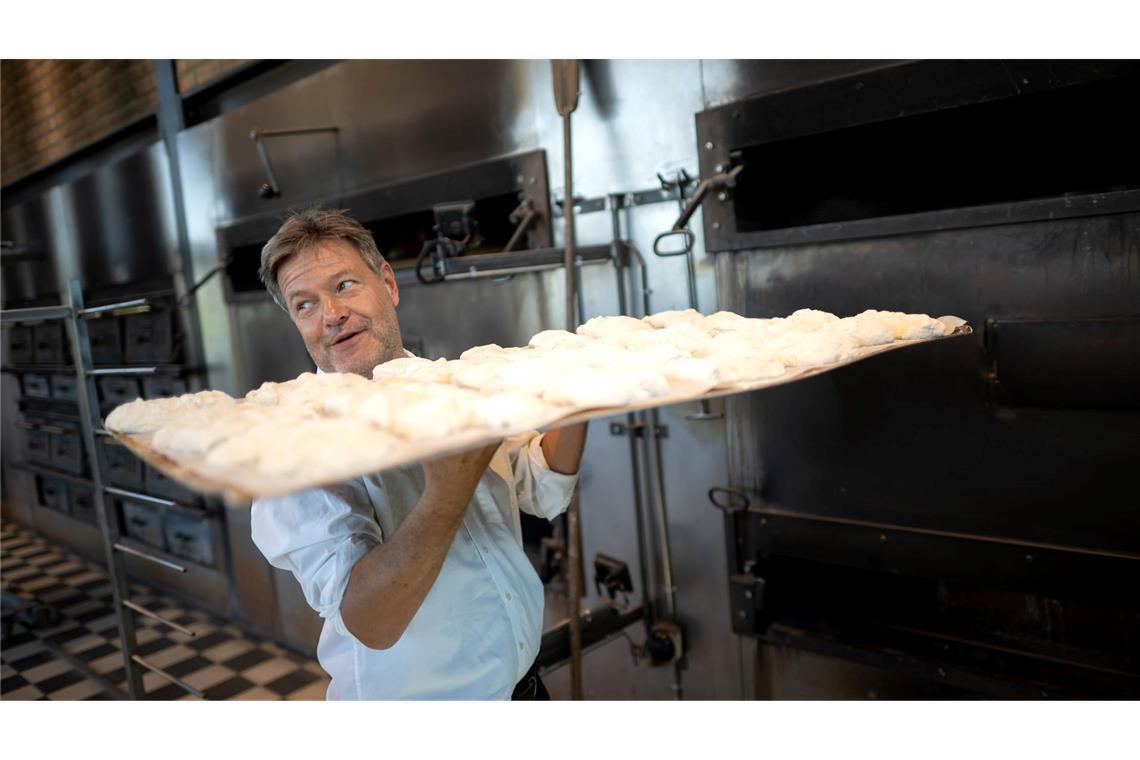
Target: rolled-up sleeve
318	535
540	491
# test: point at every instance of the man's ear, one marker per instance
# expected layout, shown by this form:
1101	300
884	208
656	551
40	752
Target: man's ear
389	278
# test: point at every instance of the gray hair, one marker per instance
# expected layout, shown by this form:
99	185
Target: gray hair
305	230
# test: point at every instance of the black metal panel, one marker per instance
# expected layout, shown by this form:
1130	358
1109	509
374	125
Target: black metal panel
1065	363
910	437
911	94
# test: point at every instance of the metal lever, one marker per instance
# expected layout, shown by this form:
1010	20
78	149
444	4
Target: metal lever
271	189
715	182
729	499
522	218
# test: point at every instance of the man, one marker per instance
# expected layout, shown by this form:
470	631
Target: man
419	572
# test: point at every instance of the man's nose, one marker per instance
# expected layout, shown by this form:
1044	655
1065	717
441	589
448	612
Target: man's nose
334	311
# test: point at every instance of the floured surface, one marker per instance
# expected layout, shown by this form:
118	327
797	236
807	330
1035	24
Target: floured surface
327	440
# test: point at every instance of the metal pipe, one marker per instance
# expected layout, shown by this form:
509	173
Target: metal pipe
134	302
155	616
128	549
122	371
34	314
140	496
167	676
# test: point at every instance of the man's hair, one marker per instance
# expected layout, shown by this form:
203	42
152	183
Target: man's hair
304	231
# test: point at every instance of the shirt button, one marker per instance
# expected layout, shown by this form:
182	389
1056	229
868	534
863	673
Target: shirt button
485	549
508	595
520	646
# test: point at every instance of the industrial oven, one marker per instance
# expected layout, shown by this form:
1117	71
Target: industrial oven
960	519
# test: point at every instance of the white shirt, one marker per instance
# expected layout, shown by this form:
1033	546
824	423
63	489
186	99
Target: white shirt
479	627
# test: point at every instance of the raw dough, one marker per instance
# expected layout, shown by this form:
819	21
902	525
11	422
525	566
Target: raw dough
414	368
557	339
664	319
811	319
141	416
601	327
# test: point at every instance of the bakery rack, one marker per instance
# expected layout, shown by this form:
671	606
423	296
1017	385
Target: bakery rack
74	316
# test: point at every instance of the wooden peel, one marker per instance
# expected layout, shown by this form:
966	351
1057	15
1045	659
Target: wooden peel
239	485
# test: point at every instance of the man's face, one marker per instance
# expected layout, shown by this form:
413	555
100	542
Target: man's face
345	312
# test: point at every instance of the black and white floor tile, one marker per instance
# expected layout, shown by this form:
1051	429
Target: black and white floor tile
221	660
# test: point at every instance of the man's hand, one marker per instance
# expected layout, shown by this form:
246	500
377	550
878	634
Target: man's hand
389	583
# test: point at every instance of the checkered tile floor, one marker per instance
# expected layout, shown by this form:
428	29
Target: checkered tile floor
221	661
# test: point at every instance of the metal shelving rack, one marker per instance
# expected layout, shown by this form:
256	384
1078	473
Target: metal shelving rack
74	316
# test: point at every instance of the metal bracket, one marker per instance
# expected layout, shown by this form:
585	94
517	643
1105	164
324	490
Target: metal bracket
729	500
637	429
706	413
746	599
271	189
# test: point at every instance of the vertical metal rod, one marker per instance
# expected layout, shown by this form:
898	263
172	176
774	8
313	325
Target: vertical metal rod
647	579
573	528
88	420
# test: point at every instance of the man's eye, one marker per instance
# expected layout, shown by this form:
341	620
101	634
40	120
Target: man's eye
344	284
303	305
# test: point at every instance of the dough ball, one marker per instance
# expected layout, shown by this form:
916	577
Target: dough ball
600	327
139	416
500	411
811	319
264	395
702	372
744	368
327	448
431	411
684	336
557	339
664	319
414	368
196	432
723	321
812	349
868	329
591	387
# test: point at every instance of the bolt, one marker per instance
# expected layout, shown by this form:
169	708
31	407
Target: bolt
520	179
719	168
882	538
747	594
708	146
1028	558
942	672
716	225
531	181
763	520
722	196
743	615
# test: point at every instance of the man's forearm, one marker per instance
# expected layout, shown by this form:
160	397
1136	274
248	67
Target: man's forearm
388	585
563	446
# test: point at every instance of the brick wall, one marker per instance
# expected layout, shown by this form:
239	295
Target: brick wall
193	73
51	108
